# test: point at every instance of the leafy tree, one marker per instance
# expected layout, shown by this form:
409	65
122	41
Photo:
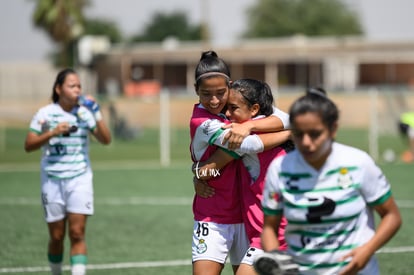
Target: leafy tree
165	25
103	27
276	18
63	20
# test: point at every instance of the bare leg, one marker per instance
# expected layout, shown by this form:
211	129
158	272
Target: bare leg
78	258
205	267
55	246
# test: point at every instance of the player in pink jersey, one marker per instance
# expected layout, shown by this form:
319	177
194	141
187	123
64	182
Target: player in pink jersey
218	222
250	99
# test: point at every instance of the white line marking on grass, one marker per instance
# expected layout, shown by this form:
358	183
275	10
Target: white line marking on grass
403	249
160	201
140	264
405	203
99	165
99	266
385	250
145	201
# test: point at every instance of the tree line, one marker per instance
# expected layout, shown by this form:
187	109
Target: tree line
65	23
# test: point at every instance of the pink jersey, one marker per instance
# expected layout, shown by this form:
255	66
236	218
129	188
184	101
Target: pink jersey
225	206
252	190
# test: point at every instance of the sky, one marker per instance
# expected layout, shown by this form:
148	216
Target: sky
22	42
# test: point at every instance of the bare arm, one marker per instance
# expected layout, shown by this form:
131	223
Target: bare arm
218	160
34	141
387	228
271	140
102	133
240	131
269	237
267	124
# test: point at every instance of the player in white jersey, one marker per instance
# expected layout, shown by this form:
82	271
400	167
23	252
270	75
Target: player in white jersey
328	192
62	130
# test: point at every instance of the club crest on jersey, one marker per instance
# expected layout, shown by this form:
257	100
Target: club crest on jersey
273	196
202	246
344	179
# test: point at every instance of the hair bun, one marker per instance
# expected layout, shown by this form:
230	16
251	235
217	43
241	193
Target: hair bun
316	91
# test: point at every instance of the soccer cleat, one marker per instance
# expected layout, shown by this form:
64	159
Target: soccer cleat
275	263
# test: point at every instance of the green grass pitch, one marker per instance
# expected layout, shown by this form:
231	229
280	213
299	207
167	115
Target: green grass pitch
143	217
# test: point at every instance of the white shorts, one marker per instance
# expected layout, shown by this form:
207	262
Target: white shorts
62	196
251	254
214	242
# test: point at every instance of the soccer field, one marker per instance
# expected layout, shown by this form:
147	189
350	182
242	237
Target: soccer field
143	218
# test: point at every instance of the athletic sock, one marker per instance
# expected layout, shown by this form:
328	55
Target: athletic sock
55	263
78	264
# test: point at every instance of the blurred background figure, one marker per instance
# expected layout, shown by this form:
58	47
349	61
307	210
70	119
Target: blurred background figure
120	125
406	126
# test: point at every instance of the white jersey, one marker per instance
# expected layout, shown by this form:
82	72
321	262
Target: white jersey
250	150
328	211
210	132
283	116
64	157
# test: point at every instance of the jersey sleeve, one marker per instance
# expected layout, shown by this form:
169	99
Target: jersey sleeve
374	187
208	132
38	121
284	117
250	145
271	201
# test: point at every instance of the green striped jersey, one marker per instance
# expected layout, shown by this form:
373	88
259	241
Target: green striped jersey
64	156
328	211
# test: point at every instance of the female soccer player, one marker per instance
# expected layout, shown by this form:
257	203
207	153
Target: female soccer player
250	99
218	224
61	129
328	192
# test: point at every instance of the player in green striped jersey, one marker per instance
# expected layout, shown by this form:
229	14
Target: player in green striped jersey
62	129
328	192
